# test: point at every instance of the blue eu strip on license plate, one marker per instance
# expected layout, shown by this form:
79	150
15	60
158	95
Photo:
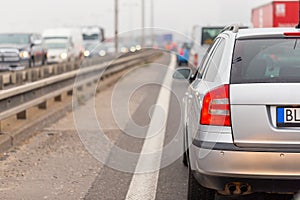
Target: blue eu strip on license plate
288	117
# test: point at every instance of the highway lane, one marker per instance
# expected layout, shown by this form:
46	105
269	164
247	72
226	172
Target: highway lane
114	184
56	165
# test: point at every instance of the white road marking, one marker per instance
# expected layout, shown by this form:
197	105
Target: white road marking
143	185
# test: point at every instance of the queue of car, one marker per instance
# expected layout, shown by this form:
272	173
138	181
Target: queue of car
25	50
241	115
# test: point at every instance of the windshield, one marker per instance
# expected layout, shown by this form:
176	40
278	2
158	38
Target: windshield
14	38
209	34
90	37
266	61
56	45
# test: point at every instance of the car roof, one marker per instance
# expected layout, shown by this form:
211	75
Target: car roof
265	32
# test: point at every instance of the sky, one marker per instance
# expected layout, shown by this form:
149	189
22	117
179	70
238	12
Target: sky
177	15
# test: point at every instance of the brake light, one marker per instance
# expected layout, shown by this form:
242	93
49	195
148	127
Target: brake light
216	108
196	60
292	34
181	52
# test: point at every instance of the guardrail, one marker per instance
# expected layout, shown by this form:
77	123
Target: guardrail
15	78
52	81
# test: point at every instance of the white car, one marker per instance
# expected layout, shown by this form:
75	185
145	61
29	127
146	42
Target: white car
242	115
65	44
59	51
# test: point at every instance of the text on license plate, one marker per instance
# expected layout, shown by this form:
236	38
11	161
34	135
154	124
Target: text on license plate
288	116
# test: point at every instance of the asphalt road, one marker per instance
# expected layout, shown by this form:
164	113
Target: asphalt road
56	164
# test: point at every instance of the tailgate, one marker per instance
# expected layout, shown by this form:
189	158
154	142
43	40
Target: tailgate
265	115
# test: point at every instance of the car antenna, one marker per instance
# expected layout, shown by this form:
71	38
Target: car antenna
298	26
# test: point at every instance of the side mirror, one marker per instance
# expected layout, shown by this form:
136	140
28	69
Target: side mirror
183	73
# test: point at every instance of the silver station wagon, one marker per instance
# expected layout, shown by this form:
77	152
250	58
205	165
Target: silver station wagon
242	115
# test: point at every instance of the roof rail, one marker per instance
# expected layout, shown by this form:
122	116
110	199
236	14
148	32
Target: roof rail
234	28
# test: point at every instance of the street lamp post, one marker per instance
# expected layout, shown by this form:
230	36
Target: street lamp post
116	26
143	24
152	22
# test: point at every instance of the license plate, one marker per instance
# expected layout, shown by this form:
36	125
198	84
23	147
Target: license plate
288	117
11	59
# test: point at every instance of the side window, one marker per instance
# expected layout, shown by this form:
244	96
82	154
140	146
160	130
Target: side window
205	60
214	62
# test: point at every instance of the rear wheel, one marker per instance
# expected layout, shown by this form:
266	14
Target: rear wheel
185	149
184	159
197	191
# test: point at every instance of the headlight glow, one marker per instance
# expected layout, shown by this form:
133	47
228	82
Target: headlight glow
102	53
138	47
24	54
87	53
64	56
124	50
132	49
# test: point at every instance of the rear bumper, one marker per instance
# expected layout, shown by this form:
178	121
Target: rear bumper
273	172
257	184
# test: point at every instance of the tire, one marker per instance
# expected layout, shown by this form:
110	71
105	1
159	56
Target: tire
185	152
184	159
198	192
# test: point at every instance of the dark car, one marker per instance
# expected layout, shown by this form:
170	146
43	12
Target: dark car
21	50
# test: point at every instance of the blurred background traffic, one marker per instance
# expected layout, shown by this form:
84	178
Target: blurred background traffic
36	33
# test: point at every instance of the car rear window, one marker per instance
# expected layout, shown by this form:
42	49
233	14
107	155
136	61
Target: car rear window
266	61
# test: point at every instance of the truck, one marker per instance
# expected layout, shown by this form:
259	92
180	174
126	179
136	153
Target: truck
276	14
202	38
21	50
64	44
93	37
92	34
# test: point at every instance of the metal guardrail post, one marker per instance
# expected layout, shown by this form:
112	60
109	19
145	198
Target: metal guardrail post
58	98
46	72
22	115
70	93
54	69
19	78
34	75
13	78
1	82
43	106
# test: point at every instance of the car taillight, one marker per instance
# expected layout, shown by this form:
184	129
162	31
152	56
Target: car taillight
196	60
216	109
292	34
181	52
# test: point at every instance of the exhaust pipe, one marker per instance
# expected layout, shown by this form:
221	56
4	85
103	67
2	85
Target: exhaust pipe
231	188
244	188
236	188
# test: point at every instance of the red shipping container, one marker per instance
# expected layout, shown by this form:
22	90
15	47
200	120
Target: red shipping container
276	14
